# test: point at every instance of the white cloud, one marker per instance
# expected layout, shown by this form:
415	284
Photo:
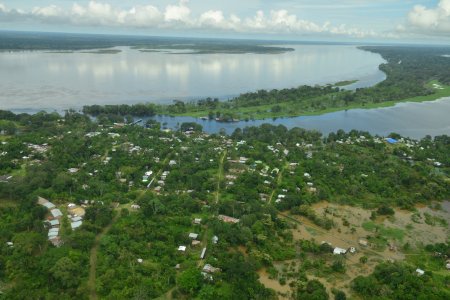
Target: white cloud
179	17
178	12
430	20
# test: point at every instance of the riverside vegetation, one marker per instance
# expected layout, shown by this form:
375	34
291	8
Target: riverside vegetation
247	196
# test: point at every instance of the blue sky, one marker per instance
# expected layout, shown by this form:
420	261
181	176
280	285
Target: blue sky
379	20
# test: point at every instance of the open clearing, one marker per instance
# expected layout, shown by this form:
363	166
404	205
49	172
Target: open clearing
386	235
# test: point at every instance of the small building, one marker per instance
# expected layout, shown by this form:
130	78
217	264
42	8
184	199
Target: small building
182	248
135	206
71	205
75	225
48	205
76	219
448	265
195	243
56	213
339	251
210	269
420	272
228	219
363	242
53	222
193	236
215	239
140	260
202	255
352	250
391	141
197	221
10	244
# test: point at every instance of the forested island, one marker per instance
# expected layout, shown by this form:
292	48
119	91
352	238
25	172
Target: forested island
90	209
414	74
102	44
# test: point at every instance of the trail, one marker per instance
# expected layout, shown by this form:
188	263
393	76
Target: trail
278	181
220	176
93	259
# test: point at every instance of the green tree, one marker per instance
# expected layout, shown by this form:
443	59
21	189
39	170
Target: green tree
66	272
190	281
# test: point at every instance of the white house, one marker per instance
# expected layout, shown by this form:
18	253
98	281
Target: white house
338	251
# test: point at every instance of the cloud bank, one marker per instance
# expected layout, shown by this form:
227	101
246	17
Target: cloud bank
431	21
179	16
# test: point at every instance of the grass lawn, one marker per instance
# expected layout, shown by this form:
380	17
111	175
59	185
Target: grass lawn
386	232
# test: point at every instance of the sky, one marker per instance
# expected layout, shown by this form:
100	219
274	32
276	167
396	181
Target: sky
423	21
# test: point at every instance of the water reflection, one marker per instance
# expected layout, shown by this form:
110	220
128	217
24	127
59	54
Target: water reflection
61	80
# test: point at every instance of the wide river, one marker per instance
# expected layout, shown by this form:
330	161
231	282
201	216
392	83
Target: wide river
39	80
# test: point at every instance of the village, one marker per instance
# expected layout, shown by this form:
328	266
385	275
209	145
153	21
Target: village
164	206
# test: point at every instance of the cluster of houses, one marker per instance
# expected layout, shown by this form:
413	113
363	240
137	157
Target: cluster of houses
75	215
53	221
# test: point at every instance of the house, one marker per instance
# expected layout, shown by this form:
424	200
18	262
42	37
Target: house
338	251
10	244
53	232
140	260
228	219
71	205
210	269
391	141
193	236
197	221
76	219
352	250
420	272
73	170
195	243
135	206
182	248
363	242
49	205
5	178
75	225
53	223
56	213
172	163
215	239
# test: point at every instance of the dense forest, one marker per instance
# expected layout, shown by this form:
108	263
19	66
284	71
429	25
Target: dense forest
185	215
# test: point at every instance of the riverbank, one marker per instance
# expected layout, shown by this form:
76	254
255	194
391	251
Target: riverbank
295	109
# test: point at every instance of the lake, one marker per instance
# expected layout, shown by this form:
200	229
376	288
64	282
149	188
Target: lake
44	80
415	120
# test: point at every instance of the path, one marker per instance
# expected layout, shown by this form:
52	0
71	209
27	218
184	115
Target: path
93	259
278	181
220	176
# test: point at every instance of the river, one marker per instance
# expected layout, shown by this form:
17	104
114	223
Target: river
44	80
415	120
